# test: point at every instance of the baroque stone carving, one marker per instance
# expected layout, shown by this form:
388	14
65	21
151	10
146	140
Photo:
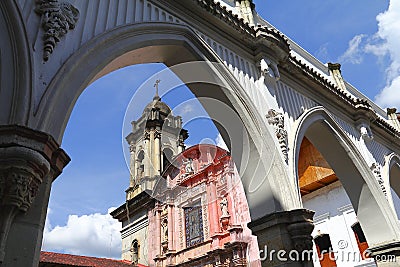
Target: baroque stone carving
57	18
132	148
277	120
157	135
164	227
365	131
146	135
376	170
300	233
224	207
188	166
21	173
269	68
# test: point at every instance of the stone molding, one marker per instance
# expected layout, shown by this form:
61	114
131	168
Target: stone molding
26	158
57	18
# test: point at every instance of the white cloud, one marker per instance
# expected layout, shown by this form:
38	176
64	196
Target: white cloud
390	95
322	53
219	141
388	43
385	45
90	235
186	109
354	52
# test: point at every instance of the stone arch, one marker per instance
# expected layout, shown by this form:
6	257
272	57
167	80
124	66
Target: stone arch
15	54
372	209
392	172
160	42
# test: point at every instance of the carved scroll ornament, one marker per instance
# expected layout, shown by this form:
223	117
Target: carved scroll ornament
376	170
277	120
57	18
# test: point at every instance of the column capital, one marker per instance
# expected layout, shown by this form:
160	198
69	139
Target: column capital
26	157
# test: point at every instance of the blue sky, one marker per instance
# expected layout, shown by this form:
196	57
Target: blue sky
334	31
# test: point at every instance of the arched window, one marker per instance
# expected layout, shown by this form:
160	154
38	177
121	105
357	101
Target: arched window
167	157
135	252
324	250
361	240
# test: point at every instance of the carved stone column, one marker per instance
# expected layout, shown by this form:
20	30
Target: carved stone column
29	162
171	227
132	166
147	154
157	153
284	235
212	209
158	229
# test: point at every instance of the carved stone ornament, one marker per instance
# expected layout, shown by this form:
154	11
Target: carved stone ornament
132	148
376	170
224	207
188	167
164	229
157	135
56	19
300	233
181	141
26	158
277	120
269	68
365	131
146	135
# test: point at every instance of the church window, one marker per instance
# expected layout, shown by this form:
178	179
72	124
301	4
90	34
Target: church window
324	249
167	156
194	225
361	240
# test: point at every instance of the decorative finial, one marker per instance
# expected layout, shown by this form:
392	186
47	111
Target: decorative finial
156	86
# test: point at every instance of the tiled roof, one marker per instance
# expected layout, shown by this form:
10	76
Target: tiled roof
82	261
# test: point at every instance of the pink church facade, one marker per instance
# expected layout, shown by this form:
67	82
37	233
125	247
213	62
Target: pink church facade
195	215
201	213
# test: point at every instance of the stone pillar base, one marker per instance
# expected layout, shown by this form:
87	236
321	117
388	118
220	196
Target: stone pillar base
284	238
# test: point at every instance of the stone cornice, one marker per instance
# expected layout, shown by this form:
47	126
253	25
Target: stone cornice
140	201
221	12
358	108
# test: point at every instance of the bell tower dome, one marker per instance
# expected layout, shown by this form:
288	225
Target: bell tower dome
156	137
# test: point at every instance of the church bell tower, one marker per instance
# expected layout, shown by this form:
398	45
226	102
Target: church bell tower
156	137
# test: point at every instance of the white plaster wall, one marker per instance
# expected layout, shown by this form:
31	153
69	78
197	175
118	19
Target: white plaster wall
334	215
137	229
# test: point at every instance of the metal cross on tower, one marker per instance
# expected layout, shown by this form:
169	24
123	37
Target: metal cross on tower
156	86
